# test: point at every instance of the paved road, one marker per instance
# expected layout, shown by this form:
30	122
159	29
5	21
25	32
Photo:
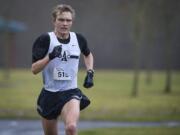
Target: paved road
33	127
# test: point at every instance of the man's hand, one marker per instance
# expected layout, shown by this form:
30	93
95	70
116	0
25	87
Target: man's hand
88	82
55	53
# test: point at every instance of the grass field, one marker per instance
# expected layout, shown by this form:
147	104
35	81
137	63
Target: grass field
110	97
133	131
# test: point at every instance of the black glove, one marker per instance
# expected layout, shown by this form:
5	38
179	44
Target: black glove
55	53
88	82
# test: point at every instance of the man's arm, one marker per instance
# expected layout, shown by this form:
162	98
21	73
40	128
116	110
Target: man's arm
39	52
89	61
39	65
88	82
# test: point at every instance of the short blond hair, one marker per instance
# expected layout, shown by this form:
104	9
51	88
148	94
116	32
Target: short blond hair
62	8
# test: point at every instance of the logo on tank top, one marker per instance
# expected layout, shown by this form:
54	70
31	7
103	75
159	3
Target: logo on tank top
65	56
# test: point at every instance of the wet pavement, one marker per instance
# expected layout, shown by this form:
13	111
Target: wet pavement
33	127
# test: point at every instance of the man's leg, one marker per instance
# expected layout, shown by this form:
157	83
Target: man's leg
50	127
70	116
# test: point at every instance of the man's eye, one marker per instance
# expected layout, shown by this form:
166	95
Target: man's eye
68	20
63	20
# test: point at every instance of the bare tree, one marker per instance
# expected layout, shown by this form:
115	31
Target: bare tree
149	37
169	10
138	26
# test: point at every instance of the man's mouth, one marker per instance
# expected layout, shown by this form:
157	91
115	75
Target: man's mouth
63	28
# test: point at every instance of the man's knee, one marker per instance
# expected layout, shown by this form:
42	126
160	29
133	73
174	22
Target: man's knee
71	129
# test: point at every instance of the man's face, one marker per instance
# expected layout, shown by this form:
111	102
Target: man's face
63	22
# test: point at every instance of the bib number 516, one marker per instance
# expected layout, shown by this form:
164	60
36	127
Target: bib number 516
61	74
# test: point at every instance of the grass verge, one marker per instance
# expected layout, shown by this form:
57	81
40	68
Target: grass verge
133	131
110	97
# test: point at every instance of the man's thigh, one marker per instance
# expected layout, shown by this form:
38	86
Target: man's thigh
70	112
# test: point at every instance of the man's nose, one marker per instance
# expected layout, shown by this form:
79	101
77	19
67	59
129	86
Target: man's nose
65	23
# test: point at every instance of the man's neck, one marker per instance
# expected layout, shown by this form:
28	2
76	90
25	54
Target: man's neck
62	35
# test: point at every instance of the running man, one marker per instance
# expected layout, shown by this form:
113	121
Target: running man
57	55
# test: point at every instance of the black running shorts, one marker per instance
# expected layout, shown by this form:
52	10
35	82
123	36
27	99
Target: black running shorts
50	104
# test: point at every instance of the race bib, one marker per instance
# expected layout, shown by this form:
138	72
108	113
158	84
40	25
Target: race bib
60	74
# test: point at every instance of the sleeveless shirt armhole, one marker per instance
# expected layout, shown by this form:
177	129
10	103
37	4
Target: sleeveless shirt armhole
40	47
83	45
